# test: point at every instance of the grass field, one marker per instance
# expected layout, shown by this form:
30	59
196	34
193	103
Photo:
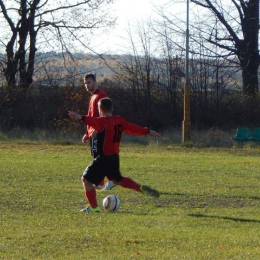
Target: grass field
208	209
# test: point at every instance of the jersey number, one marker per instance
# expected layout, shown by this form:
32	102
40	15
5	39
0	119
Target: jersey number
118	133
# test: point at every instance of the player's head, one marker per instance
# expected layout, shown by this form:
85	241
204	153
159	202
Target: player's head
90	82
105	105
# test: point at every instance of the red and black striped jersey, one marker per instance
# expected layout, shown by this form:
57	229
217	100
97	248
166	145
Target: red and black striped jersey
93	107
110	129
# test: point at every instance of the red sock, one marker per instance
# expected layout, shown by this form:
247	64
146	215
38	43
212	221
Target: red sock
91	197
130	184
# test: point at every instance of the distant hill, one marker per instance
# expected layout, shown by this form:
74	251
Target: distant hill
52	68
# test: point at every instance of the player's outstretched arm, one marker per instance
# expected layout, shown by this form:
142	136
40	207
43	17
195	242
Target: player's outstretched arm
154	133
75	115
96	122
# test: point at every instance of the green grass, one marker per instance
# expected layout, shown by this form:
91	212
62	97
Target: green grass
208	209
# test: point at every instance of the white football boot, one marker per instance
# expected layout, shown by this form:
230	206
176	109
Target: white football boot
109	185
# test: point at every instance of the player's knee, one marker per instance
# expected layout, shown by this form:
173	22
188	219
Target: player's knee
83	179
117	180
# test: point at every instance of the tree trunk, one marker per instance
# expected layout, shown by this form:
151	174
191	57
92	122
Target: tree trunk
250	79
19	61
32	47
20	55
248	49
11	65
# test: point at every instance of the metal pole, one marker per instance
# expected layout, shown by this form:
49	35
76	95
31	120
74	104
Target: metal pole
187	41
186	124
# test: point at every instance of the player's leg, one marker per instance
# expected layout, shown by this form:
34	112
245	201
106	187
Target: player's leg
92	176
90	193
115	175
127	182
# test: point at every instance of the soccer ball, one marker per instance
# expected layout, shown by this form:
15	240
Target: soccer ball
111	203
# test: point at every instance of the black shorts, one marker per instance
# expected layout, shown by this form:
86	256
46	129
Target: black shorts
103	166
93	147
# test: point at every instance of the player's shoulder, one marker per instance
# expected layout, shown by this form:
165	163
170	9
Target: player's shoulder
101	93
119	118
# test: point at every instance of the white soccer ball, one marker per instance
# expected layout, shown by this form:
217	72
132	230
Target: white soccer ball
111	203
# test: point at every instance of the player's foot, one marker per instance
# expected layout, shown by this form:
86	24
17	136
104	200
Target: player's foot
109	185
99	187
90	209
149	191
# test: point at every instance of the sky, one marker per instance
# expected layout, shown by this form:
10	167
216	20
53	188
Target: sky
128	13
114	40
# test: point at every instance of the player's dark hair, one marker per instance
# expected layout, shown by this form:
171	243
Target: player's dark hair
90	75
106	104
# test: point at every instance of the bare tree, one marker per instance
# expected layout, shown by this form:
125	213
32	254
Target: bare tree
236	32
32	24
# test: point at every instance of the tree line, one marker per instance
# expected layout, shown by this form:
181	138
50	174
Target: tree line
147	83
150	95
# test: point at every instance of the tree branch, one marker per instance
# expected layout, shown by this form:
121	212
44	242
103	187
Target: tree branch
238	9
220	17
243	5
63	8
42	5
61	24
6	16
199	3
223	46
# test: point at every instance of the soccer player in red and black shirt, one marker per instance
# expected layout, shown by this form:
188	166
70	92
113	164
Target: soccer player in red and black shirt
91	135
110	129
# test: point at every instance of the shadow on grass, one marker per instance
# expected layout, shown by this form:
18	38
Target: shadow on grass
257	198
212	196
198	215
174	193
207	200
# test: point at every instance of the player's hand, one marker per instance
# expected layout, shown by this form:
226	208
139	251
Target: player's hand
94	134
74	115
85	138
154	133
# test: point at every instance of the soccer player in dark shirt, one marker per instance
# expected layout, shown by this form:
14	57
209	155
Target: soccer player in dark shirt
110	129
